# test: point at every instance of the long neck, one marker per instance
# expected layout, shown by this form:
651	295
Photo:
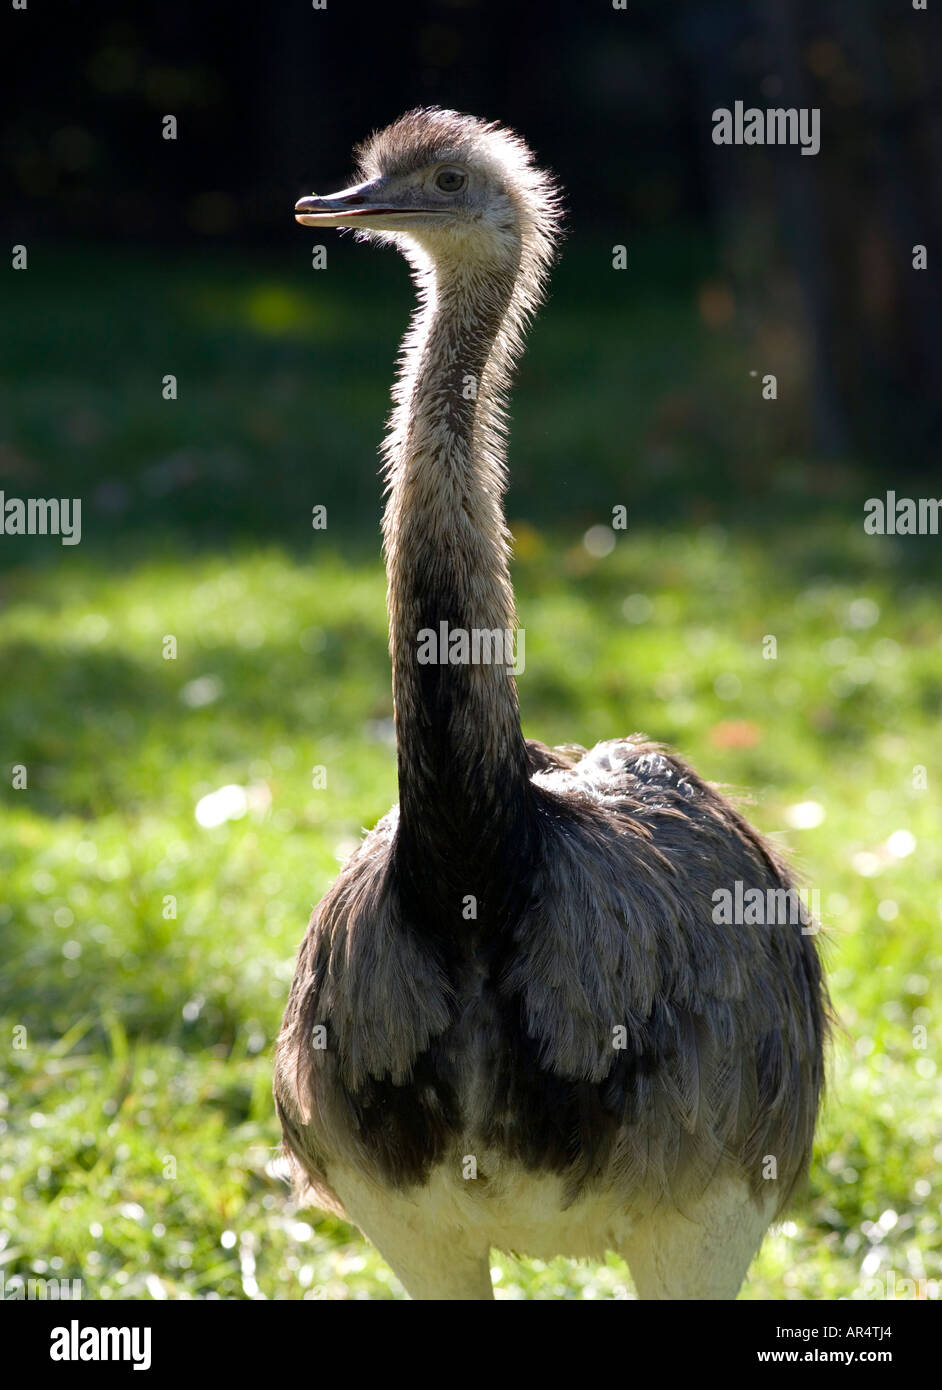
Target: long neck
463	786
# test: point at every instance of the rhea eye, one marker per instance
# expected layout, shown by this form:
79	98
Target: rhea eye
450	180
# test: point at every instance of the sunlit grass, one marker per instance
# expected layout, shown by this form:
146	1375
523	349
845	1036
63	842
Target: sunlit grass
148	957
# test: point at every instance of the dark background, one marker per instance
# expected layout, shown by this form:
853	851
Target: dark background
788	264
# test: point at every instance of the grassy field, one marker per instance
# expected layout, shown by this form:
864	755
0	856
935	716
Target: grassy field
148	952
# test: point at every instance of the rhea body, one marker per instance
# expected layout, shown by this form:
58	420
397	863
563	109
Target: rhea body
514	1021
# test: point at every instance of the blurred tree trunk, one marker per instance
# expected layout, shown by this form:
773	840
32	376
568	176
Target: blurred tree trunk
803	231
905	327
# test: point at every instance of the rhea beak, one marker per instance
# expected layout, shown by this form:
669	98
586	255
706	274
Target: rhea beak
363	205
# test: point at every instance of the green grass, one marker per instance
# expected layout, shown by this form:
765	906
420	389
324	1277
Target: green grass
140	1121
136	1122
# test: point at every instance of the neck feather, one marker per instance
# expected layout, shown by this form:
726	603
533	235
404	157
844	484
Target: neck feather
463	782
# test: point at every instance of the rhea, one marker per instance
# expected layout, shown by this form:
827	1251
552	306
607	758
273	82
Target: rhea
516	1021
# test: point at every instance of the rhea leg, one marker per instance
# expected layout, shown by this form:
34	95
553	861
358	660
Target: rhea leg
432	1257
440	1271
703	1253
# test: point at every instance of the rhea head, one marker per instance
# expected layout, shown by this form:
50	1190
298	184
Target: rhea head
458	187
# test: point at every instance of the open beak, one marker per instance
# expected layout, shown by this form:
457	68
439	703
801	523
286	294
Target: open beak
351	207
